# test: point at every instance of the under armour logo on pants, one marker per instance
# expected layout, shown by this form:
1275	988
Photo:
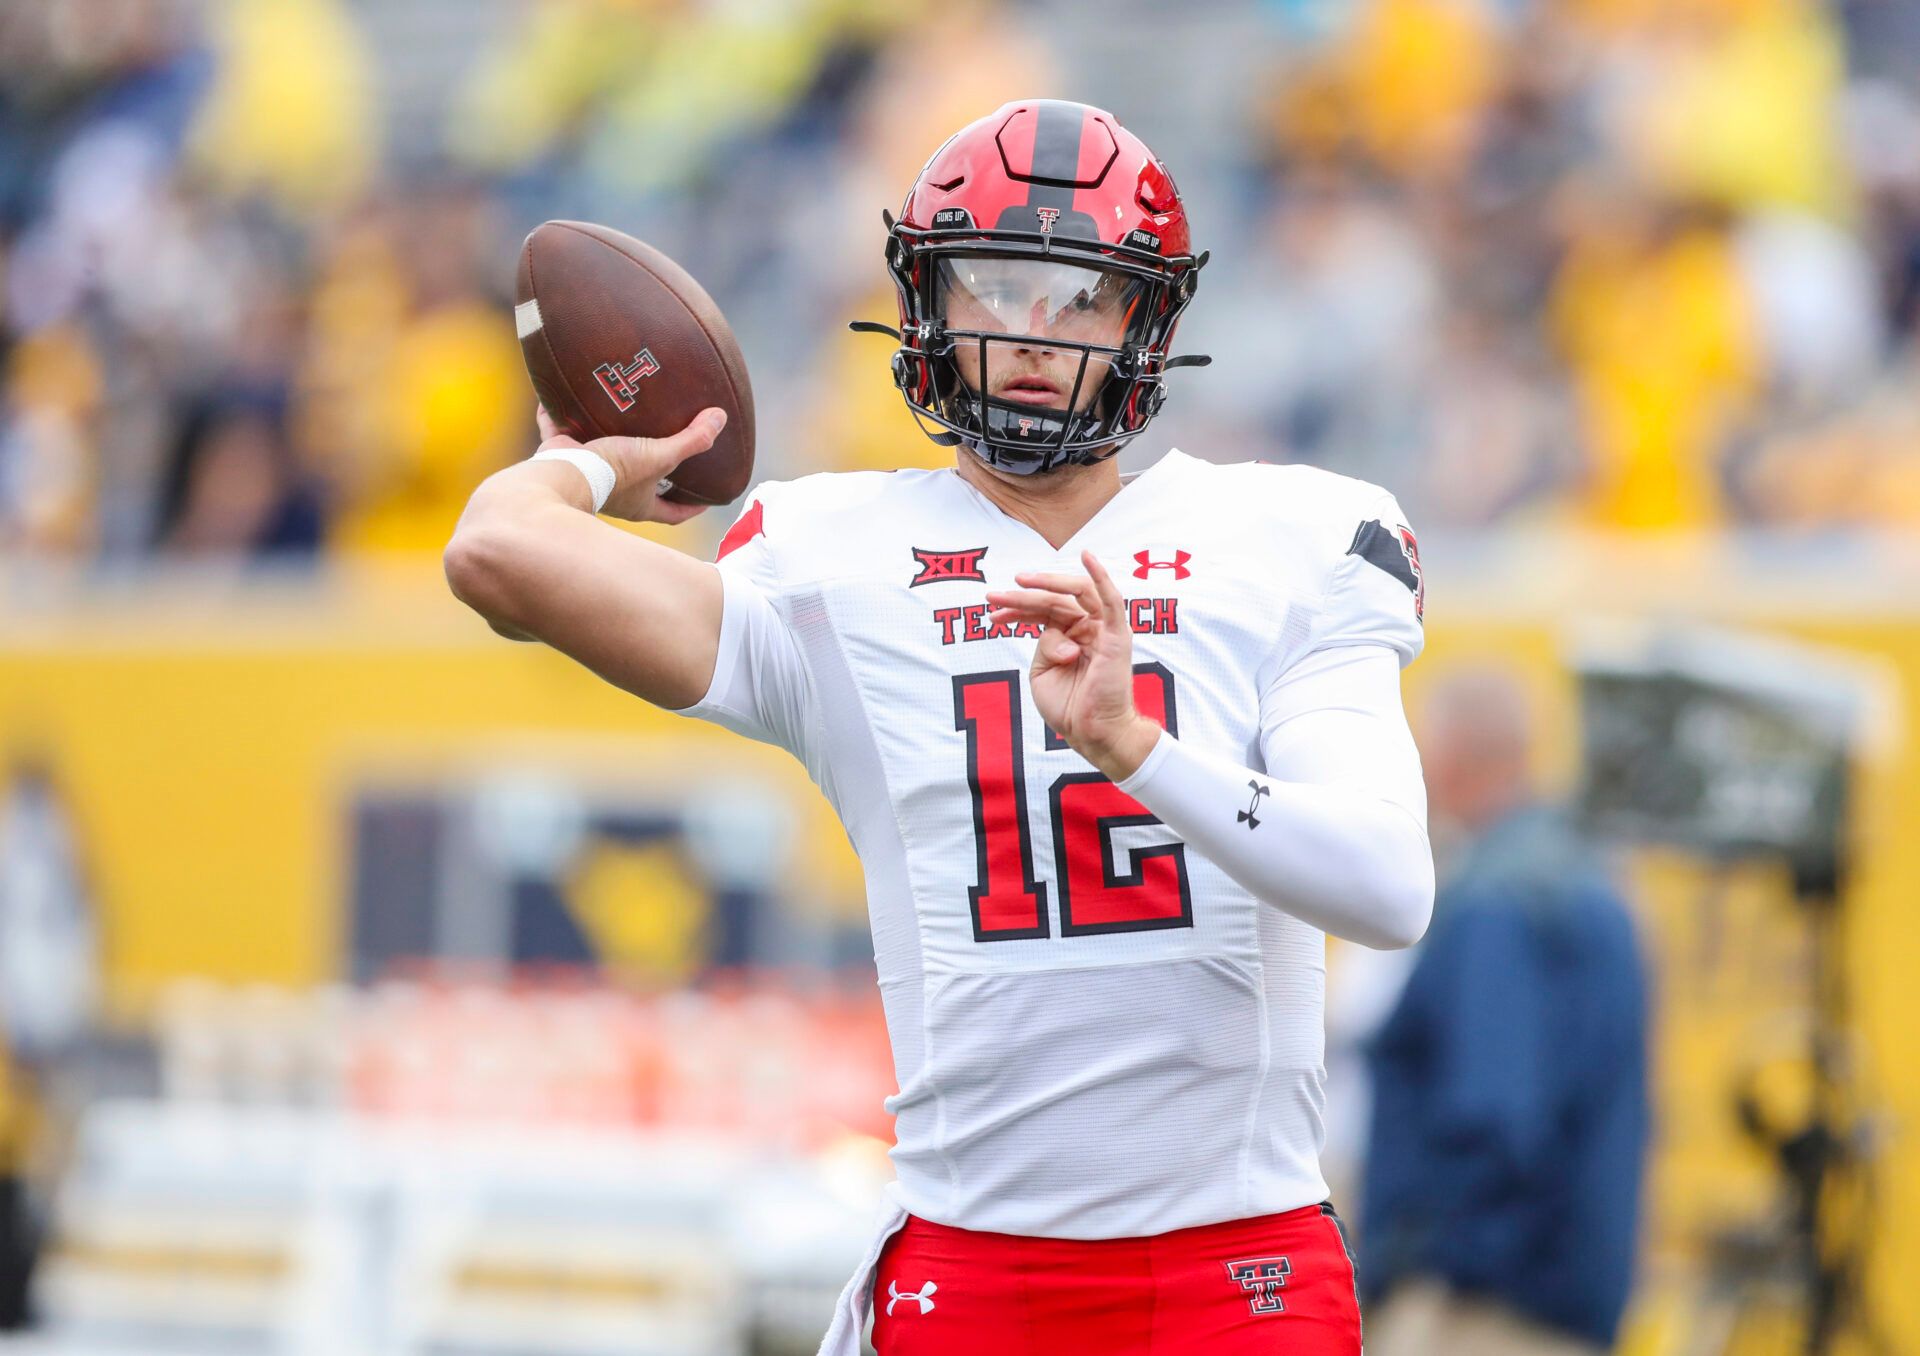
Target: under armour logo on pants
923	1296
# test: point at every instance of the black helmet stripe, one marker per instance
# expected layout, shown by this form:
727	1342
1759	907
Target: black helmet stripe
1057	129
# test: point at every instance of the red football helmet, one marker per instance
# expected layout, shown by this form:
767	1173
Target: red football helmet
1046	227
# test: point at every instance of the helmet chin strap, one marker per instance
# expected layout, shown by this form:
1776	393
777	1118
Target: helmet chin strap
996	458
1009	429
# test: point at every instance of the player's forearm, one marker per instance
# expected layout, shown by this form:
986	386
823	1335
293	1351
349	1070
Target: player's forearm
531	558
1351	864
494	560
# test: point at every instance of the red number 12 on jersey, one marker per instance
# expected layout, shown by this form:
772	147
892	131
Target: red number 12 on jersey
1008	902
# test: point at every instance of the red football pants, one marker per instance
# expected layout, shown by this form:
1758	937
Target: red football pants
1278	1285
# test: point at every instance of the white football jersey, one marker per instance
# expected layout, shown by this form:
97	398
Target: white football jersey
1097	1033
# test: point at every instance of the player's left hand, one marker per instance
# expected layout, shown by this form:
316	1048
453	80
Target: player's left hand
1082	674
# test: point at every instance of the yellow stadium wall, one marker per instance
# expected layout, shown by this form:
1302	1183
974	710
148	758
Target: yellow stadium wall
204	735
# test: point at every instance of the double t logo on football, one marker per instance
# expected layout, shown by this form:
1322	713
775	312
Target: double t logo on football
621	381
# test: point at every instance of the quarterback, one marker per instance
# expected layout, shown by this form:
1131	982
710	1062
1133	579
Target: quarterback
1116	755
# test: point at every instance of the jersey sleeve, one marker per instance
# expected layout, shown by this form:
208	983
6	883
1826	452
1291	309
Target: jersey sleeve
1334	830
1376	593
1335	719
761	687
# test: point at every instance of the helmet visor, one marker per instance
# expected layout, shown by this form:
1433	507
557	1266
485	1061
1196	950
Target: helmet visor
1039	298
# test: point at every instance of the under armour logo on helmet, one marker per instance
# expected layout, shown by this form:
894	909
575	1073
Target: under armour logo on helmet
1144	561
923	1296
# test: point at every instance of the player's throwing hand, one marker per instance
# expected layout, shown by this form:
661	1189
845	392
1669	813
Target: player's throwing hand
639	463
1082	674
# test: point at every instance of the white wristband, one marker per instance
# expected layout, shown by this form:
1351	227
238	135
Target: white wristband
596	468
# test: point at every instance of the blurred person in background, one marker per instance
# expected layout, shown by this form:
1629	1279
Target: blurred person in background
1653	318
1510	1112
48	980
49	404
411	385
231	487
96	102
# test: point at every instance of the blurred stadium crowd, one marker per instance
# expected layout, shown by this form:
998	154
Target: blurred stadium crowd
1640	264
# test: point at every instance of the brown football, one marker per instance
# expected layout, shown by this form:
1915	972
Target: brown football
621	341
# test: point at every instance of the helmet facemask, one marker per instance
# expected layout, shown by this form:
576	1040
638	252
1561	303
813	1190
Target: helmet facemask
1027	350
987	318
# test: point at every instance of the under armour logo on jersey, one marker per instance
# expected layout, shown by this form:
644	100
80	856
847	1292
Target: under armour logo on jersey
621	382
940	566
1144	562
1047	215
1247	815
923	1296
1262	1278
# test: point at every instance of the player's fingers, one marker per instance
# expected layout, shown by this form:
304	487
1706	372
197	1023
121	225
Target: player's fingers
1070	586
1039	605
1056	648
1102	582
1077	586
544	421
1075	625
1009	617
655	457
1019	616
690	441
1030	598
669	512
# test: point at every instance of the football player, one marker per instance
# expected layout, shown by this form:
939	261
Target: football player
1117	755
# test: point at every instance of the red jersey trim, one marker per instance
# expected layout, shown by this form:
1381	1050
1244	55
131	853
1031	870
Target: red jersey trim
745	528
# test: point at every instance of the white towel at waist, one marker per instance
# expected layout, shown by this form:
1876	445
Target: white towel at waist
856	1300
